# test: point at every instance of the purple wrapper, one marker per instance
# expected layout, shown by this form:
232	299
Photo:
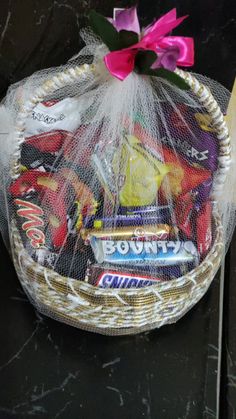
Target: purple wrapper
190	132
203	193
202	150
160	212
132	216
120	221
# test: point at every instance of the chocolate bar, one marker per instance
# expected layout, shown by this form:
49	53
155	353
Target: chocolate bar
159	231
131	216
113	280
157	252
30	219
193	136
109	276
117	278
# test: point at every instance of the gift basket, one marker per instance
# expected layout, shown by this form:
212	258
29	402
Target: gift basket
113	172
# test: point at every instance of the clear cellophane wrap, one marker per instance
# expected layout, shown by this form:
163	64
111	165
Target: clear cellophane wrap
119	186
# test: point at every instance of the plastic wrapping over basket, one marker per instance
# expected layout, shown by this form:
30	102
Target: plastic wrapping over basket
117	220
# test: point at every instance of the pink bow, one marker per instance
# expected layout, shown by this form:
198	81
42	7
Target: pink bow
171	50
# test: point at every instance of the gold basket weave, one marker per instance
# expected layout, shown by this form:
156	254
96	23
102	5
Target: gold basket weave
118	311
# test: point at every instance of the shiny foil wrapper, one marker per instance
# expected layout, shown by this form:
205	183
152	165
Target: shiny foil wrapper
156	252
131	216
197	142
108	276
160	231
118	278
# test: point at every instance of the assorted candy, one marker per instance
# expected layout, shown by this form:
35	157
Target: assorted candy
119	215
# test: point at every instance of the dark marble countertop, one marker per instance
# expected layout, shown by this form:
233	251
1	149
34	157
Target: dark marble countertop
50	370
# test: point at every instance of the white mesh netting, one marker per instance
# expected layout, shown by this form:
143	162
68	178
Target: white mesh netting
116	180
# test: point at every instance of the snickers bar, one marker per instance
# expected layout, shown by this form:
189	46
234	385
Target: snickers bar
149	272
115	278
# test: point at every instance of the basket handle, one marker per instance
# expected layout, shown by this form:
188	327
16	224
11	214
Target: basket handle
71	75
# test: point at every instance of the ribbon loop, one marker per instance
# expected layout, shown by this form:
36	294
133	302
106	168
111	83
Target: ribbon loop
171	50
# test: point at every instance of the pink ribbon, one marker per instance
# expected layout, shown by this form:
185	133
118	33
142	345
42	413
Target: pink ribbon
171	50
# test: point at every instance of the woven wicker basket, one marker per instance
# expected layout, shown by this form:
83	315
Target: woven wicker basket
118	311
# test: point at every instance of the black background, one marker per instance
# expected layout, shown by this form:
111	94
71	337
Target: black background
38	34
50	370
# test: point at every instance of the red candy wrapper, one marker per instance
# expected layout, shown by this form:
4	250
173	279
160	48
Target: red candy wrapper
184	212
204	229
51	193
30	219
49	142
